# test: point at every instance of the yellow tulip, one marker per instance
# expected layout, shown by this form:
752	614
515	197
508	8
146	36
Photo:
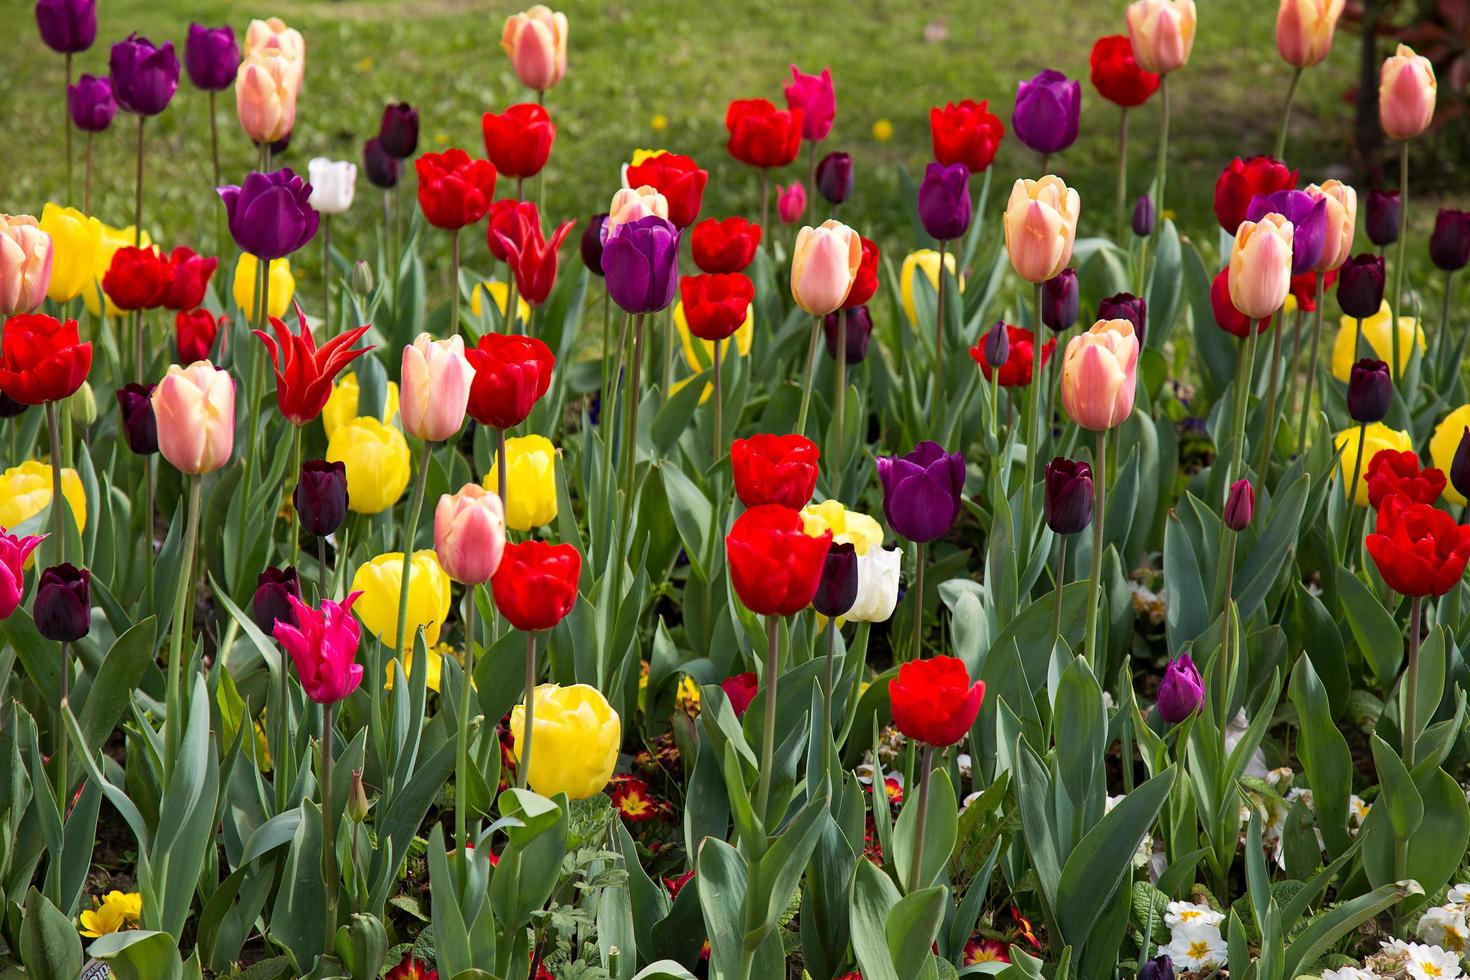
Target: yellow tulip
282	286
1444	442
110	240
428	596
701	357
1378	438
1378	337
530	482
500	292
341	406
25	491
924	260
577	735
75	242
377	461
847	526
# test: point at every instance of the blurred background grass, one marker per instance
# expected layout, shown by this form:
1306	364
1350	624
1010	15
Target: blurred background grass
659	73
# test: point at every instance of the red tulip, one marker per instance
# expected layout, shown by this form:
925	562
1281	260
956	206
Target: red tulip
536	584
518	140
934	701
189	275
966	132
508	218
454	188
195	332
42	359
724	246
762	135
865	283
1016	371
1245	179
304	371
741	689
512	372
1419	549
1392	472
715	304
532	257
678	178
775	566
137	278
1116	76
772	469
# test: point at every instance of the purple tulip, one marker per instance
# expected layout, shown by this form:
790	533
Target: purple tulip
144	77
1067	495
63	605
921	491
1460	465
1159	968
399	130
1449	243
1308	219
1143	217
270	604
837	589
1181	691
91	105
997	346
67	26
834	177
320	497
859	332
381	166
592	244
641	263
1048	110
944	201
1240	505
211	57
1370	391
1382	217
1059	300
1360	285
140	428
269	214
1125	306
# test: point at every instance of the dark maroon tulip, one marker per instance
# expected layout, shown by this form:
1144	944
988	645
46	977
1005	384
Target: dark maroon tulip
1460	465
380	166
1382	217
1449	243
1143	217
1059	300
1159	968
269	214
997	345
144	77
135	407
90	103
280	146
592	244
1360	285
944	201
1181	691
67	26
1048	110
1067	495
320	497
211	57
834	177
63	606
271	604
1240	505
922	491
1308	217
859	332
399	130
10	408
1370	391
838	587
1125	306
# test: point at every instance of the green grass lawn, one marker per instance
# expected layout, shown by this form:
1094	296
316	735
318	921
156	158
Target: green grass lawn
682	61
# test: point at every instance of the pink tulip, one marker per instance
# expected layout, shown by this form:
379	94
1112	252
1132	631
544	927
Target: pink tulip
1100	374
1406	94
1260	266
1162	33
536	42
1304	30
265	96
273	38
434	387
25	264
1342	219
1041	227
13	554
791	202
469	534
323	646
632	203
194	408
814	96
824	264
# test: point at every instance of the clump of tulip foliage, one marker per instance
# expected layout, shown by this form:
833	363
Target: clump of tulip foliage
683	601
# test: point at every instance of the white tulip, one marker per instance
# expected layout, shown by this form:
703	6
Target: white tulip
332	184
877	593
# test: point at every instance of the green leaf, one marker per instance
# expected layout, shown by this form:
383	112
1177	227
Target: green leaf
910	928
1324	753
139	955
941	830
873	896
1405	807
722	879
1326	929
49	946
691	511
1378	636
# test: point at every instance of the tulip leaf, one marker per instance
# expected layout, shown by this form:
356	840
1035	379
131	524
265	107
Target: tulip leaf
1405	807
722	882
1324	753
49	946
1444	830
1323	931
691	512
1378	636
139	955
873	896
910	928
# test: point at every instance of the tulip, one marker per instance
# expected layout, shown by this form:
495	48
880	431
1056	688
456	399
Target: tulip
499	294
1406	94
678	178
1383	213
775	566
342	404
15	552
591	247
323	645
332	184
518	141
1059	300
640	261
774	469
1260	266
579	735
1125	306
762	135
944	201
1419	551
1449	243
1040	226
1240	505
10	408
1360	285
398	132
269	214
837	588
824	264
76	243
67	26
90	103
834	177
512	372
1142	222
1067	495
144	77
535	585
435	381
274	590
791	202
536	43
282	287
846	526
380	166
1048	110
1392	472
1450	450
1370	391
377	460
25	264
1304	30
532	257
530	481
1306	215
741	689
1341	203
934	701
320	497
195	412
189	276
1182	690
304	372
1161	32
724	246
469	534
135	411
1008	354
1161	967
1116	75
1099	375
274	37
815	97
265	96
26	490
380	581
966	132
632	203
1377	331
42	359
138	278
995	350
877	596
63	604
858	332
509	222
1244	180
922	491
1358	446
211	57
454	189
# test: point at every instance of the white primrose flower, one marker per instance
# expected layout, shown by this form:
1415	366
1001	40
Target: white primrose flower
1432	963
1185	914
1197	947
1445	927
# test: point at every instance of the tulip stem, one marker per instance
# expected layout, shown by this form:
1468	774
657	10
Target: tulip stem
1244	368
920	550
63	761
1227	637
630	434
58	499
462	747
811	370
138	189
1094	578
295	525
765	203
405	574
719	443
939	346
1162	172
1293	369
1121	205
1395	369
1274	368
1033	429
1311	380
66	127
1056	619
502	468
827	688
148	506
916	863
327	274
811	179
768	707
329	836
668	376
453	283
1410	723
1296	77
1352	498
87	177
839	406
173	712
323	578
523	764
219	237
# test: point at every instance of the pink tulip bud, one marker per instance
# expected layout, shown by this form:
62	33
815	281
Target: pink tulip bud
791	202
1304	30
536	42
1100	374
1162	33
1406	93
434	387
824	264
25	264
469	534
1260	266
1040	227
194	408
323	646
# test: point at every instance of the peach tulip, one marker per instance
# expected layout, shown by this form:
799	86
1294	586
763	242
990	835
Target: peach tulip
1040	227
469	534
1304	30
1162	33
1406	93
273	38
1260	266
435	387
194	407
536	42
1342	219
25	264
265	96
824	264
632	203
1100	374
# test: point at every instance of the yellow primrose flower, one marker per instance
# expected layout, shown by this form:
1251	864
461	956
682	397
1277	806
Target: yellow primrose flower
129	903
686	698
1444	442
660	122
500	292
341	406
530	482
428	596
926	259
25	491
577	734
76	240
847	526
283	286
1378	338
1377	438
101	921
882	130
377	460
110	240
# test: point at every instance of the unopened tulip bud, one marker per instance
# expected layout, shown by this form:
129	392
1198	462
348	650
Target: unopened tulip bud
790	202
1182	691
1460	466
357	801
1158	968
1360	285
136	412
1406	94
1067	497
10	408
944	201
838	587
834	177
362	278
1240	505
1125	306
1449	243
320	497
997	345
592	244
859	332
1143	217
271	604
1370	391
83	405
63	606
1383	217
1059	300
